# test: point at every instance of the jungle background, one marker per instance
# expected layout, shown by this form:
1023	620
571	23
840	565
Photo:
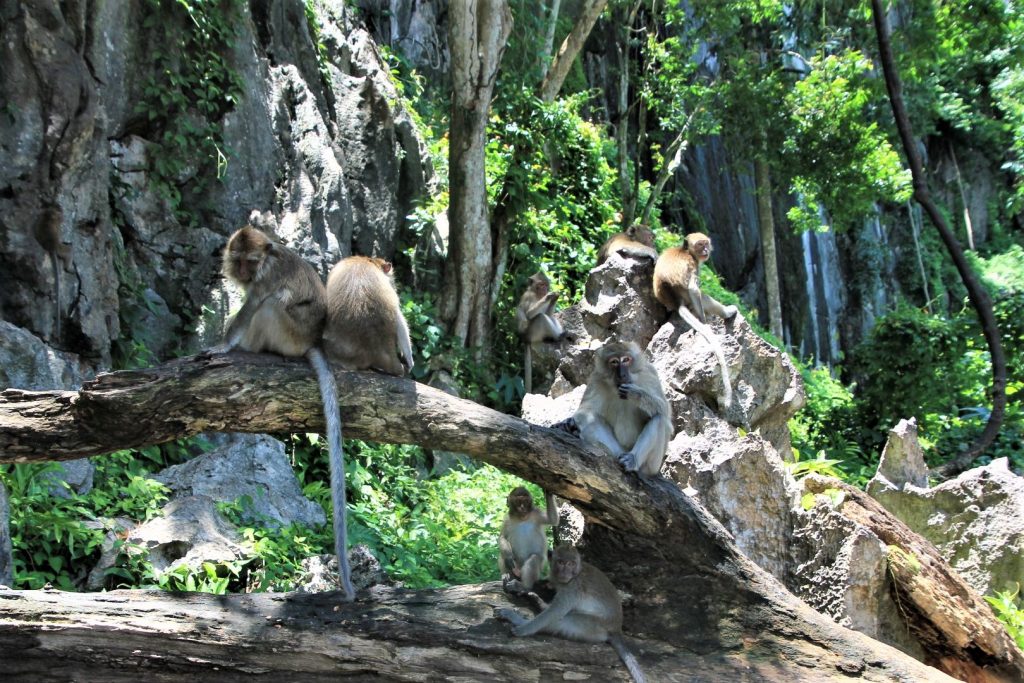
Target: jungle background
158	126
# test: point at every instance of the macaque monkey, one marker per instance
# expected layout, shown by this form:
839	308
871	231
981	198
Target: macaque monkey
47	232
536	321
523	543
636	242
365	326
677	287
586	607
624	409
284	312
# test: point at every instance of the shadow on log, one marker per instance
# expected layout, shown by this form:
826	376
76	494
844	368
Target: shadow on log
697	608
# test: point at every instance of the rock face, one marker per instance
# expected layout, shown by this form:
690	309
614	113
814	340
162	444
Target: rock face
250	466
739	478
318	139
976	520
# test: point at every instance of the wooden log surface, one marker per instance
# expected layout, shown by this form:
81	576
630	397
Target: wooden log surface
697	604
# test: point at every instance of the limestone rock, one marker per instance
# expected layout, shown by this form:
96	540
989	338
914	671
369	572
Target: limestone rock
902	463
253	466
320	572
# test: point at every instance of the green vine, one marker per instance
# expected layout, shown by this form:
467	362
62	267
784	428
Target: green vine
190	89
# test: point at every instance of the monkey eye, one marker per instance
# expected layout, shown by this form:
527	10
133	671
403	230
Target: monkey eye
626	360
614	362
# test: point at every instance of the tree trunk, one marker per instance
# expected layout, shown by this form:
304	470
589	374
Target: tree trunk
766	223
697	604
571	47
673	157
477	37
549	36
975	292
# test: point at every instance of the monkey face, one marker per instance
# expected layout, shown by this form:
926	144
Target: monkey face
619	368
520	502
642	234
699	245
565	564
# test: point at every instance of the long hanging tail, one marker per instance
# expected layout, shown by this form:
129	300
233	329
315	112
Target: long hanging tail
336	460
528	368
628	659
726	398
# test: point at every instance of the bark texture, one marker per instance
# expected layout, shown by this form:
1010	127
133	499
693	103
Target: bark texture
695	602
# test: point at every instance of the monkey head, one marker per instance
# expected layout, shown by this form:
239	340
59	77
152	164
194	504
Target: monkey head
540	284
639	232
699	246
616	361
245	255
565	564
520	502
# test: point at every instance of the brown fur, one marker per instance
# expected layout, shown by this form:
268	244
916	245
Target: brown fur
637	241
624	409
677	287
363	313
47	232
285	304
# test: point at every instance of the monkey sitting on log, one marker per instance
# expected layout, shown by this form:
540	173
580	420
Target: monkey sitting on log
284	312
624	409
523	543
677	287
536	321
637	241
586	607
365	326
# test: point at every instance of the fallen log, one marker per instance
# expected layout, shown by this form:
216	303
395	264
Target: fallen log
696	603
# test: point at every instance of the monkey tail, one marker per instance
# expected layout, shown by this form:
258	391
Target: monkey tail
336	461
628	659
56	296
716	346
528	367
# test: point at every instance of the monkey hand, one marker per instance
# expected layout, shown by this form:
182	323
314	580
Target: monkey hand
628	389
569	426
511	616
407	362
628	461
551	296
730	312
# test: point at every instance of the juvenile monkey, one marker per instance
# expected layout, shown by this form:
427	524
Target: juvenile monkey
636	242
586	607
624	409
536	321
284	313
523	542
677	287
47	232
365	326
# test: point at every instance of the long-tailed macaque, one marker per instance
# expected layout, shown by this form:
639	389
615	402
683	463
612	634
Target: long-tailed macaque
47	232
677	287
523	543
586	607
636	242
284	312
536	321
624	409
365	326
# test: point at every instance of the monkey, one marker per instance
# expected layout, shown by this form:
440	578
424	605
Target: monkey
47	233
536	321
285	312
523	542
586	607
636	242
677	287
365	326
624	409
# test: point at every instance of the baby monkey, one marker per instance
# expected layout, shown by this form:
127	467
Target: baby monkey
586	607
284	313
677	287
523	542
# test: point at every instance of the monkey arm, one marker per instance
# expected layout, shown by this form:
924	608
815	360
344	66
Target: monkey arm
542	306
522	322
563	603
649	447
404	342
506	557
240	323
552	516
